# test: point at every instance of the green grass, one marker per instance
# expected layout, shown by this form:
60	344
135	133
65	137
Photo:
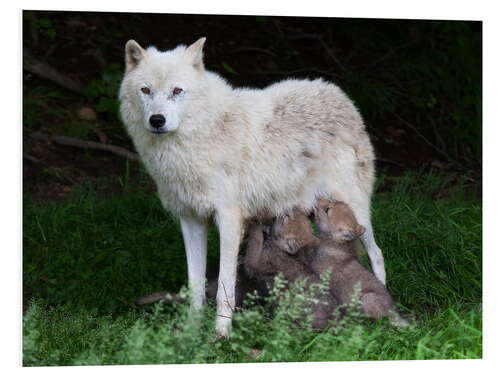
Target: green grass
86	259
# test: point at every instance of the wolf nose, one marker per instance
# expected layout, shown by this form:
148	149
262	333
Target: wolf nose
157	121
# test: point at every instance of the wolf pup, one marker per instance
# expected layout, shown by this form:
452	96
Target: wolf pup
228	154
338	229
288	250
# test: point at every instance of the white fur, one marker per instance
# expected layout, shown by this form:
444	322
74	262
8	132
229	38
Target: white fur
194	233
233	154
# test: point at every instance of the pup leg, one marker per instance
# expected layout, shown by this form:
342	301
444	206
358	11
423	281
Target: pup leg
378	306
230	231
194	232
255	261
397	320
358	249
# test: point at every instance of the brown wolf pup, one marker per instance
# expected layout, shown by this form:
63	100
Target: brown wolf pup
338	228
287	250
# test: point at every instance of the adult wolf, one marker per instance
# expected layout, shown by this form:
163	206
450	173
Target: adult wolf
231	154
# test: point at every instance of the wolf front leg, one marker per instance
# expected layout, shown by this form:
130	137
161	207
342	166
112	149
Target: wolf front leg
194	232
230	225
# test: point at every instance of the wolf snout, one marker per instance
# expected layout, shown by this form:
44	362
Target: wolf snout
157	121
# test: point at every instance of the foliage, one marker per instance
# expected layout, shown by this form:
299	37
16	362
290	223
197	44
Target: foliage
173	334
427	73
43	25
104	91
42	106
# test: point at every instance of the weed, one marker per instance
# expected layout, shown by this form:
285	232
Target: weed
103	91
43	25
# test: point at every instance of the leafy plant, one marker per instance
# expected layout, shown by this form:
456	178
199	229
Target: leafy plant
426	77
80	130
103	92
43	25
42	105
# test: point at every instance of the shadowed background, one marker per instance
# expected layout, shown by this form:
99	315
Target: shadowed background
416	83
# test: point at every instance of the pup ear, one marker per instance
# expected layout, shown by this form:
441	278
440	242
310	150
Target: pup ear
291	248
360	230
134	53
195	51
285	220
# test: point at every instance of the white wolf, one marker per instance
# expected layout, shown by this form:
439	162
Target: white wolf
232	154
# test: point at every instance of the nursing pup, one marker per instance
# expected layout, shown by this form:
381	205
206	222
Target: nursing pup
338	229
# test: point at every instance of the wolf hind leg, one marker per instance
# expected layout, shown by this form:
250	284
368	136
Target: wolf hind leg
373	251
360	205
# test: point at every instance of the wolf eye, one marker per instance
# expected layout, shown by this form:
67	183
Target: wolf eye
146	90
177	91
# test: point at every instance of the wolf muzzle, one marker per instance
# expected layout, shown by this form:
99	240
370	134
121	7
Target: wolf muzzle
157	121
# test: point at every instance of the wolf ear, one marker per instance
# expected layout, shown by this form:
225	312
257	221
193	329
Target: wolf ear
134	53
195	51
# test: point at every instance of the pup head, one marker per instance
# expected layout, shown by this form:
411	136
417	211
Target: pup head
158	85
336	220
292	231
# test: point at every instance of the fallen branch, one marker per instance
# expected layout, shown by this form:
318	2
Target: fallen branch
325	46
68	141
127	303
45	71
430	144
32	159
297	71
389	161
255	49
417	132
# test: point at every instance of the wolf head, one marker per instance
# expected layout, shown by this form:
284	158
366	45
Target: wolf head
336	220
292	231
158	86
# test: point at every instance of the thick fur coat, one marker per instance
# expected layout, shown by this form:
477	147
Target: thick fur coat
233	154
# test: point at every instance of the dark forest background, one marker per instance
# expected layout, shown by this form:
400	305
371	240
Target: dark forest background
417	83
